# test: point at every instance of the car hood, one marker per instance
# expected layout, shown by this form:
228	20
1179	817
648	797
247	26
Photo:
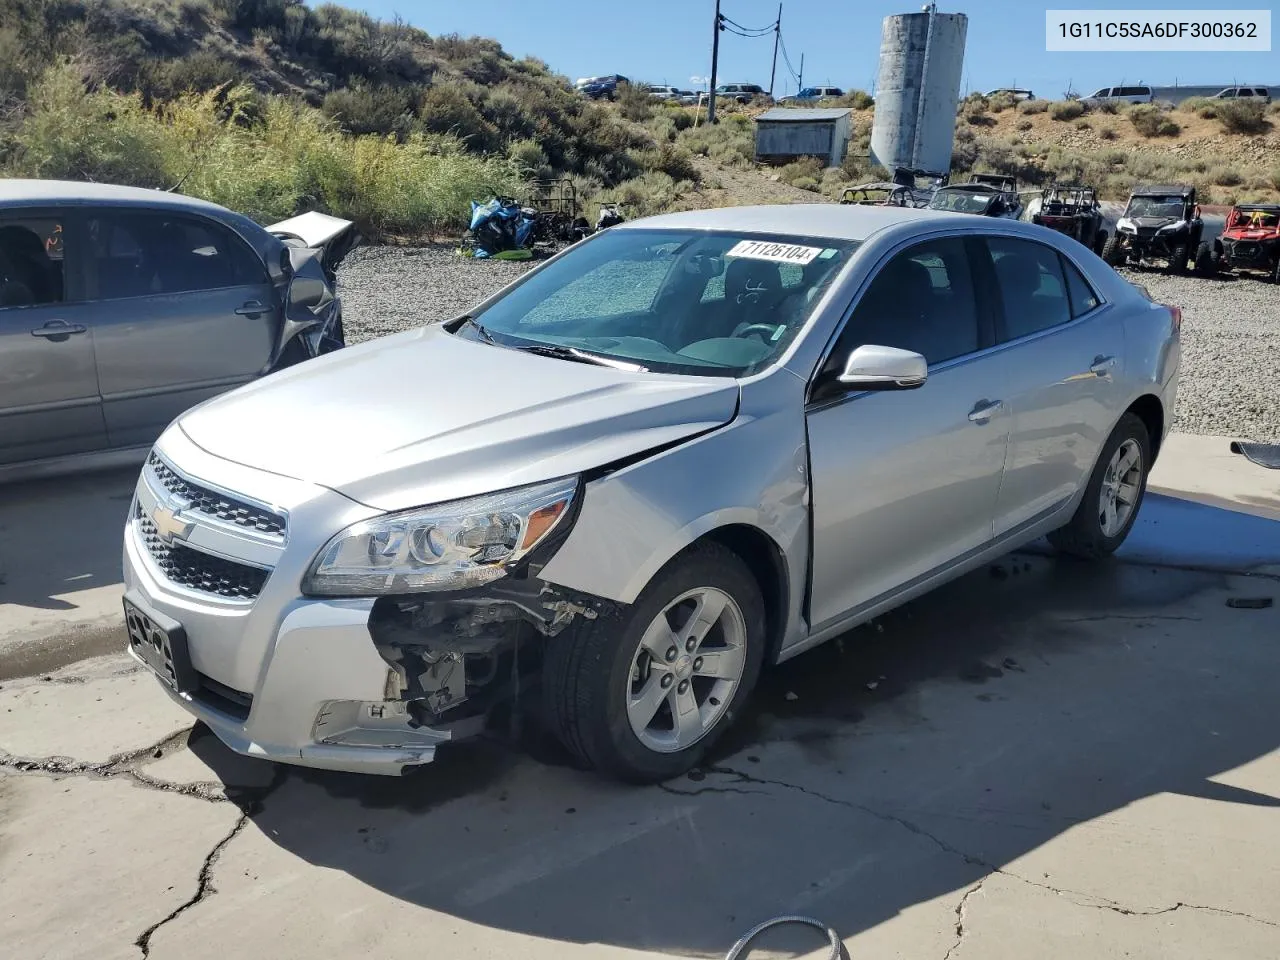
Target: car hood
424	417
1152	223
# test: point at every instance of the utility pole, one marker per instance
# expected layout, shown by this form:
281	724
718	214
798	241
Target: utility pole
777	37
715	56
800	79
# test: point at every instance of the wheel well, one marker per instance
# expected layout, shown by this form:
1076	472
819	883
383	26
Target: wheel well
765	561
1150	411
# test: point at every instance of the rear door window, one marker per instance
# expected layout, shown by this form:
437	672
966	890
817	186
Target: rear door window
32	261
1033	292
139	254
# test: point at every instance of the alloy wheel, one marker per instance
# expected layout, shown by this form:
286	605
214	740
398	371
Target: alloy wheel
1120	487
686	670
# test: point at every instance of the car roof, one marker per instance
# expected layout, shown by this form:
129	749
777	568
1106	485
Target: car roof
35	193
1163	189
1261	207
827	220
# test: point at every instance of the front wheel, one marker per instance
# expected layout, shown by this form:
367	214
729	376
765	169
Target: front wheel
1275	274
1100	242
1178	258
1111	500
642	697
1112	253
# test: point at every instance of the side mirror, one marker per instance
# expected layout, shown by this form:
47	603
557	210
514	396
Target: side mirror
873	367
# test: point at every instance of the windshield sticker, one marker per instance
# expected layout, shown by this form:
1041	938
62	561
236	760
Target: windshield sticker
777	252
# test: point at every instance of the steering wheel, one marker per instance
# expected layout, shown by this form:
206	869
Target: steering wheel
767	330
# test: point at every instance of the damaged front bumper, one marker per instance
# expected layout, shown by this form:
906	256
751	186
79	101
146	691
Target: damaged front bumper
360	686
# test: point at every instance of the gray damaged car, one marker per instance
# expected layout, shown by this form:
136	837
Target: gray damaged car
680	451
120	308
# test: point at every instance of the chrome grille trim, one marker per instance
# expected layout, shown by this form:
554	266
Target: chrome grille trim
217	505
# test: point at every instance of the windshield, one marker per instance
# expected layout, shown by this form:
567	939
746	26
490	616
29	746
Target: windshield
1156	207
712	303
961	201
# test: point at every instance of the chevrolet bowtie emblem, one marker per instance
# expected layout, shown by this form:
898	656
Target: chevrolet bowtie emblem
169	525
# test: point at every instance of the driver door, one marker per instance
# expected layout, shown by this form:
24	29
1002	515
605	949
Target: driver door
905	482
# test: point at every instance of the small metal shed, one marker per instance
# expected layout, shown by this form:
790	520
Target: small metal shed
784	134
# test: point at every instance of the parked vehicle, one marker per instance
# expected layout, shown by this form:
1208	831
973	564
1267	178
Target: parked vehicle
814	95
1074	210
881	194
716	440
1262	94
120	308
663	91
691	99
1138	94
986	195
602	88
1160	223
1250	242
743	92
1018	95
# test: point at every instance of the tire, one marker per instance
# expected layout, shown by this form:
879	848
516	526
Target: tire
1112	253
1100	242
1205	265
1178	258
1275	274
592	671
1085	536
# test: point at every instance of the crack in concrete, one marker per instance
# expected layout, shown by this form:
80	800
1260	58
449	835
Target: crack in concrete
1077	897
119	765
204	886
964	902
1126	616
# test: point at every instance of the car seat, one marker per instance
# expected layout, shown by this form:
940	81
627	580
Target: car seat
28	265
753	290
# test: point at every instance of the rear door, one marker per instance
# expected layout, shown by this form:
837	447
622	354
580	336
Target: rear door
904	483
187	312
1063	349
49	403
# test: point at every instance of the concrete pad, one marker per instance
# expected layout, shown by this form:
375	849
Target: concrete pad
88	714
233	778
87	865
1203	469
60	547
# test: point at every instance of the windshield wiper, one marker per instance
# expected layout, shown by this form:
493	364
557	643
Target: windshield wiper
581	356
484	334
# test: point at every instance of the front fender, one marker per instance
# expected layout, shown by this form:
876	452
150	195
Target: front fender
753	472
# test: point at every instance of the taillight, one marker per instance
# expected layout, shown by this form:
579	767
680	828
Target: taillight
1175	313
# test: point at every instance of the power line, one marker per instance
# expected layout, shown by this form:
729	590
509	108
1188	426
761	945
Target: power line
756	30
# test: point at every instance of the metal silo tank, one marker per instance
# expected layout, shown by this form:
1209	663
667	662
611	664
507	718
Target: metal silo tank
918	88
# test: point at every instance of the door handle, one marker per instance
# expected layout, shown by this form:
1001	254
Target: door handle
251	308
1102	366
985	410
58	329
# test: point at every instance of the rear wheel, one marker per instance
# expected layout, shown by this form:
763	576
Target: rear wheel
1100	242
643	698
1114	494
1206	266
1275	273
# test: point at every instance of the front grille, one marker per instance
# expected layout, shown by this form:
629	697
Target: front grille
217	505
198	570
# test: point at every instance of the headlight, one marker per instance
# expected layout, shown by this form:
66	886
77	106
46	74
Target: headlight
451	546
1126	225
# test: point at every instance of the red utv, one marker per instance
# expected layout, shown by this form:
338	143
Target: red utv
1250	243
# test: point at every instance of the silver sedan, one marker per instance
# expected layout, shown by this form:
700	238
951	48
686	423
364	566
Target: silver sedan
684	449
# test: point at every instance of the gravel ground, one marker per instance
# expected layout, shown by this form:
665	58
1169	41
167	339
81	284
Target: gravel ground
1230	335
388	289
1230	382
